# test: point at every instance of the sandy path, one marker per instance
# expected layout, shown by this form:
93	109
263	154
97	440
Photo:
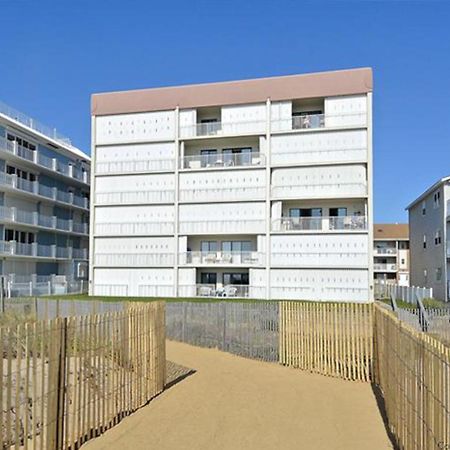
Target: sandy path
236	403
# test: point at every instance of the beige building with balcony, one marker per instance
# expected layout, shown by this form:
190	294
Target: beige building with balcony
257	188
391	253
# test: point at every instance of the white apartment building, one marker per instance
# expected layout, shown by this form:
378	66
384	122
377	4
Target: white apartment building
44	207
391	253
257	188
429	228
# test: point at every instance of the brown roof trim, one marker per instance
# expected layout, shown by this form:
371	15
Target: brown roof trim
322	84
387	231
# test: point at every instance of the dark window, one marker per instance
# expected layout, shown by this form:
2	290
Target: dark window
235	278
338	212
208	278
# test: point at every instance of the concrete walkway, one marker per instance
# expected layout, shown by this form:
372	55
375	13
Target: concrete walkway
236	403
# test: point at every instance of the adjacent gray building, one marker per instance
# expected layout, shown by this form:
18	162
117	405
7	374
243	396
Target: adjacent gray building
428	229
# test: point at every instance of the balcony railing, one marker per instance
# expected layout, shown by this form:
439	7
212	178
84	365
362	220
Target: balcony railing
35	250
222	226
223	128
133	197
351	223
385	267
36	157
36	188
134	259
314	121
223	194
147	165
222	160
320	190
252	258
135	228
227	291
385	251
14	215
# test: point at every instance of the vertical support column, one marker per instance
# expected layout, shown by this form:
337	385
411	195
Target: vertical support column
268	196
176	198
92	210
370	194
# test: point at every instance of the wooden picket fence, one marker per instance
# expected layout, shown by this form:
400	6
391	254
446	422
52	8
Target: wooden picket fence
328	338
413	371
66	380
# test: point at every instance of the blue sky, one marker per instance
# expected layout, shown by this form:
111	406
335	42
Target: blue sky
56	53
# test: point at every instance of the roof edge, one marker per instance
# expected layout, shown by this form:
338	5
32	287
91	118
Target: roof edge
428	191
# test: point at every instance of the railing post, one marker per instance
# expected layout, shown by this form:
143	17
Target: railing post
34	248
54	222
35	218
13	213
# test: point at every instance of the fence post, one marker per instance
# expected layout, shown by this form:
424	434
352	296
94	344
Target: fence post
57	380
224	325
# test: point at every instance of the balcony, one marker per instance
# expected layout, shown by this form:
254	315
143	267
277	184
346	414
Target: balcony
35	250
386	251
222	258
135	228
385	267
221	161
39	159
135	197
37	189
231	193
223	128
14	215
315	224
140	166
134	259
226	291
317	121
209	226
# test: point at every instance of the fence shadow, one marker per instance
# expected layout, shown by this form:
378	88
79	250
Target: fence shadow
382	410
176	373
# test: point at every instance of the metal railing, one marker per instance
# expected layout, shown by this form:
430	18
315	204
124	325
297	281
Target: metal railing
222	160
36	157
134	228
14	215
408	294
130	197
148	165
223	193
134	259
222	226
250	258
352	223
35	250
385	251
223	128
36	188
319	189
226	291
385	267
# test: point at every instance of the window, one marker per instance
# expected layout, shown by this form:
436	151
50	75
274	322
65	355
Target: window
237	246
305	212
403	245
338	212
237	156
425	277
437	237
424	208
438	274
209	157
437	199
235	278
424	241
208	278
402	261
23	237
208	246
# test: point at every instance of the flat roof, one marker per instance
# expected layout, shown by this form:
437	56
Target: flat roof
391	231
428	191
311	85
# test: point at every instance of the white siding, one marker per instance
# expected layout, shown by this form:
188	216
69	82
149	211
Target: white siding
281	116
308	148
320	284
141	127
320	251
244	119
346	111
320	182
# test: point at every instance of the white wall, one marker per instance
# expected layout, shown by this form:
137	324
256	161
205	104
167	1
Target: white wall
243	118
306	148
224	217
348	110
320	182
336	250
281	116
140	127
320	284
